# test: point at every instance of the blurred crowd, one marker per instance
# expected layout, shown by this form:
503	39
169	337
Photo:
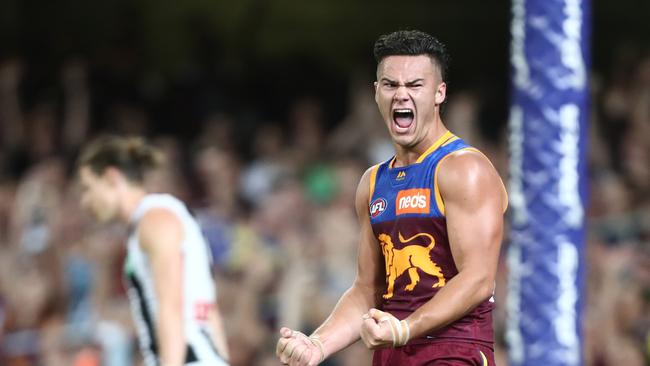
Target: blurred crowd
276	204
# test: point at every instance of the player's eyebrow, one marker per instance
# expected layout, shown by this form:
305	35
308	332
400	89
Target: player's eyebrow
408	83
413	82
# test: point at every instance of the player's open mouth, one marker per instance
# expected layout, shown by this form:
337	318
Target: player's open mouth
403	118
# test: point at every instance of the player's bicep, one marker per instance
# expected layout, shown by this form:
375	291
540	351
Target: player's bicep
161	236
473	196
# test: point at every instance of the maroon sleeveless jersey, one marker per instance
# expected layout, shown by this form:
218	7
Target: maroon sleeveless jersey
408	221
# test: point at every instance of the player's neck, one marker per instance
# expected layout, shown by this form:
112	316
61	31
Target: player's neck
408	155
131	198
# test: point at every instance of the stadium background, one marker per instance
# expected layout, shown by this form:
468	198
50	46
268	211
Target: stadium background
266	111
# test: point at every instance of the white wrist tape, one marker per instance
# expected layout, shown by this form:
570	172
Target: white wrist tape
399	330
316	341
406	332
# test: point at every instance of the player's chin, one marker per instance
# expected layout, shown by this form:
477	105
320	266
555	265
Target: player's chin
103	217
404	140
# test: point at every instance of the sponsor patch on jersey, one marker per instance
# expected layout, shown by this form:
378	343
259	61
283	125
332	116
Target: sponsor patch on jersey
202	310
413	201
377	207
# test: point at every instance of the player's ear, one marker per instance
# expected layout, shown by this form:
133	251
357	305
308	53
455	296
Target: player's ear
113	175
376	86
441	93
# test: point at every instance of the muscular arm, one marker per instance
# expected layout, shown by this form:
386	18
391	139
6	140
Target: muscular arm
161	235
474	199
344	323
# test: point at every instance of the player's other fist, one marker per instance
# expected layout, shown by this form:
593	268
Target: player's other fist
380	329
296	349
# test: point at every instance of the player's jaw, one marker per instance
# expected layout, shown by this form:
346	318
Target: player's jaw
91	206
102	215
98	206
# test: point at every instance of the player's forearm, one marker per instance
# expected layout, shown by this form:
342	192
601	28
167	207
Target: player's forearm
171	338
461	295
344	323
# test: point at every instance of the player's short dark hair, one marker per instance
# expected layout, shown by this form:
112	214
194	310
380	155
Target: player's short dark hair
412	43
133	156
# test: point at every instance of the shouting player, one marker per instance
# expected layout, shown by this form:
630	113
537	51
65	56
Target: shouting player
431	223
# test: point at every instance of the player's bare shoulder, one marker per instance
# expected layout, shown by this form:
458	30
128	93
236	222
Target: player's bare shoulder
365	187
467	174
159	225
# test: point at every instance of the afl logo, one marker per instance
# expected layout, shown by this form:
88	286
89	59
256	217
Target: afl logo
377	207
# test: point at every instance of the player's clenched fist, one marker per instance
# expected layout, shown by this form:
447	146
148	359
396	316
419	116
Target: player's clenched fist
381	329
296	349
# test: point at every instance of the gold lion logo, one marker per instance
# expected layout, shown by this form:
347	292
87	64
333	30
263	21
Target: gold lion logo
409	258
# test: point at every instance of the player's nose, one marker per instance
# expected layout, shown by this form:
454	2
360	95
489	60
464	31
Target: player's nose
401	94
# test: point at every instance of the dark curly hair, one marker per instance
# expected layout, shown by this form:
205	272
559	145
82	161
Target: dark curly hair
412	43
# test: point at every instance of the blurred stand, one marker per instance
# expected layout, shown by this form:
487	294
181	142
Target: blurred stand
275	199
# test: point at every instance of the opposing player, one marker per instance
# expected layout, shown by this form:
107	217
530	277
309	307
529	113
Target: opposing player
168	265
431	223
